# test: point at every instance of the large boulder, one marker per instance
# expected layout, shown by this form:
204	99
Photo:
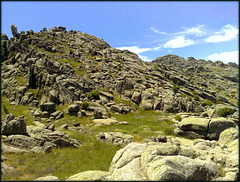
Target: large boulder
194	124
57	114
27	98
92	175
136	97
47	106
14	30
108	121
133	172
147	105
181	168
126	155
97	114
157	104
116	108
73	108
218	125
13	125
123	85
190	134
107	95
146	95
152	151
228	136
47	178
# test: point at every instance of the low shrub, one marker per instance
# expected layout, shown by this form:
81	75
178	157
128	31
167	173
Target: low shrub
196	97
93	95
225	112
85	106
208	102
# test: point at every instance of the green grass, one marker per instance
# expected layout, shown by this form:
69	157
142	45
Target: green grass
119	100
17	110
62	163
141	124
21	80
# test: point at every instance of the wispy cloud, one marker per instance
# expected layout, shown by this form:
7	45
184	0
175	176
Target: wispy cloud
156	31
225	57
198	34
228	33
198	31
177	42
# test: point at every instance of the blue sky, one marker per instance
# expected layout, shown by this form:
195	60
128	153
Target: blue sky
203	30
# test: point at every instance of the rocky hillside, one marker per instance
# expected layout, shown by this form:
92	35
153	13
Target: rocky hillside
63	67
48	70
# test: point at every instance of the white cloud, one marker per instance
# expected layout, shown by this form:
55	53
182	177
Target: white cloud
156	48
198	31
178	42
138	50
145	58
134	49
225	57
228	33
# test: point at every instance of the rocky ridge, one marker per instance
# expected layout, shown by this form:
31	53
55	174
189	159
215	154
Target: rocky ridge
42	70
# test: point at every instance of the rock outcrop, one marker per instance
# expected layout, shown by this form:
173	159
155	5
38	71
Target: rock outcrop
172	160
204	128
14	30
39	138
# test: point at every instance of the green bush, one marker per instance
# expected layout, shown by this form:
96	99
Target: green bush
93	95
225	112
175	88
196	97
85	105
208	102
178	118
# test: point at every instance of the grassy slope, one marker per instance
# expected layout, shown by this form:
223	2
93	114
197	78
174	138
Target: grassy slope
93	155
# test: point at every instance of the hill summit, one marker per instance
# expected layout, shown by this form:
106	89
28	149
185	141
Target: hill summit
68	89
